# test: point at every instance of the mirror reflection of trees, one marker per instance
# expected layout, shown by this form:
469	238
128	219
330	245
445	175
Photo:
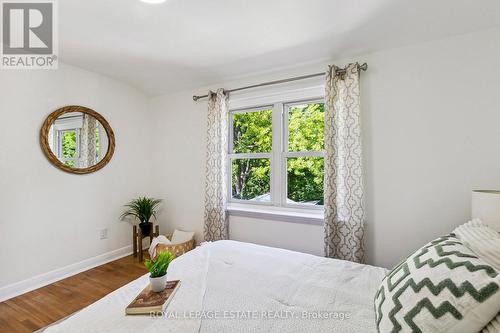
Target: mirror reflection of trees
68	144
75	139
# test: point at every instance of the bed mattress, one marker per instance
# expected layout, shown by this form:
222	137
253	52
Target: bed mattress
230	286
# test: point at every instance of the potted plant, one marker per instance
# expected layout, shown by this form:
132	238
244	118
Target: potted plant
158	270
143	209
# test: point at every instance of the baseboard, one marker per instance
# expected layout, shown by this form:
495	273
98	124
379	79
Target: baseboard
35	282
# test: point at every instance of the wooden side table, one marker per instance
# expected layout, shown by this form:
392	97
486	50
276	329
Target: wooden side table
137	238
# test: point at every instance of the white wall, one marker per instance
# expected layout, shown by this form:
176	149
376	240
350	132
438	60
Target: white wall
49	218
431	134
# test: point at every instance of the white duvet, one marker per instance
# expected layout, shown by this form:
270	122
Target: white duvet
228	286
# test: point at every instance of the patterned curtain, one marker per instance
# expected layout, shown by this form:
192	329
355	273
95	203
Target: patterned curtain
216	221
87	142
344	208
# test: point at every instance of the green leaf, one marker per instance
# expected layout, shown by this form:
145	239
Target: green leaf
159	266
142	208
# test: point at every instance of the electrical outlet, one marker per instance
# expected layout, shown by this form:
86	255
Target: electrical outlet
103	233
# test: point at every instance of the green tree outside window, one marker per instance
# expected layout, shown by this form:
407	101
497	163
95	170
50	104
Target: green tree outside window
252	133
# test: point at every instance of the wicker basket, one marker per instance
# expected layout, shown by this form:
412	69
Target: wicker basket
176	249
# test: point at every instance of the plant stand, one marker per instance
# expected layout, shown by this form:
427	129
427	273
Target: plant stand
137	238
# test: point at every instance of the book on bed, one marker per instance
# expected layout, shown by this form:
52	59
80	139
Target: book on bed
149	301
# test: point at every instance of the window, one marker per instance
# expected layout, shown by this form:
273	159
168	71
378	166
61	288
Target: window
276	154
251	152
304	152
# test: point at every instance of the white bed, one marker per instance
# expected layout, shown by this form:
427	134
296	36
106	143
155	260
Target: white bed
248	288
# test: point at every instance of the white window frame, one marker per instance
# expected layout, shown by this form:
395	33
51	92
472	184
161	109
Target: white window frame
232	155
288	154
278	155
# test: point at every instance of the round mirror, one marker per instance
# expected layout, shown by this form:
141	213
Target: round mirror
77	139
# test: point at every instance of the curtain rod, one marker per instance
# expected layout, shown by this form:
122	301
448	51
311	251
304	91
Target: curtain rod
362	67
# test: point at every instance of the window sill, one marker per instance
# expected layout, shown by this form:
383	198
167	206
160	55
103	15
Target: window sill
303	216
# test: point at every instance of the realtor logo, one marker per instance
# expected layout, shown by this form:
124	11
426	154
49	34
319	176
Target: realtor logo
28	35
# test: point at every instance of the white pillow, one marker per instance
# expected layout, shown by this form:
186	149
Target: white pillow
441	288
181	236
493	326
482	240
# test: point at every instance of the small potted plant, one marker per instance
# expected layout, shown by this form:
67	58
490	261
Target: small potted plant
143	209
158	270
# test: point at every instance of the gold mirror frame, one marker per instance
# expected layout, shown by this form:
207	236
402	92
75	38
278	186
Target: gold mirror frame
44	141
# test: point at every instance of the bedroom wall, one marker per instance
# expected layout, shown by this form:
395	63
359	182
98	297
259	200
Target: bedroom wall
51	219
430	117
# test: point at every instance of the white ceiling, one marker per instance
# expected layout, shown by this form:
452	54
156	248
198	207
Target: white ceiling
184	44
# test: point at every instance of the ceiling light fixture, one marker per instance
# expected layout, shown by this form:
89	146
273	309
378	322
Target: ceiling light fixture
153	1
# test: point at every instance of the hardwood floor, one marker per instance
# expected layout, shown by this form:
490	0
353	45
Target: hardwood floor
41	307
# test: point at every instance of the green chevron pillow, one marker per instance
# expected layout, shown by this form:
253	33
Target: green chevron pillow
442	287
